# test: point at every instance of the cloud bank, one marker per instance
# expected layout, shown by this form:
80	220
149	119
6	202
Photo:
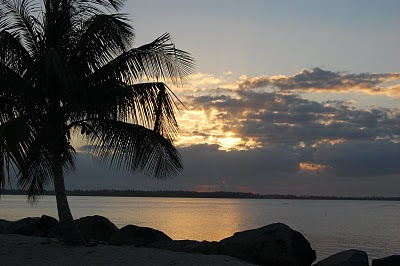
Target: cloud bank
319	80
264	135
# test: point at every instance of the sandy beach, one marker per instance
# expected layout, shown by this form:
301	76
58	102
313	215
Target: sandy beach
24	250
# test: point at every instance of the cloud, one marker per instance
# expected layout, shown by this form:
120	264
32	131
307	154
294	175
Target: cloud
277	169
204	82
238	136
257	163
331	138
360	158
269	117
319	80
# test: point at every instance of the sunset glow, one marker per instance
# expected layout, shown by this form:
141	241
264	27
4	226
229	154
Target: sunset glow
228	142
313	167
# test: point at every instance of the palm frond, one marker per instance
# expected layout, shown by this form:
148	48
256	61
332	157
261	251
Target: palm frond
151	105
11	94
16	137
25	146
13	54
36	172
83	9
3	18
21	22
6	109
18	95
110	4
156	60
133	148
102	38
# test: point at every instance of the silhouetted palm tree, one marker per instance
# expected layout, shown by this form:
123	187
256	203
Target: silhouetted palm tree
68	68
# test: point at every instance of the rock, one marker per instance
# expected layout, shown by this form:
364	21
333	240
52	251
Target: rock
189	246
54	232
15	227
137	236
275	244
4	225
351	257
32	226
68	232
387	261
96	228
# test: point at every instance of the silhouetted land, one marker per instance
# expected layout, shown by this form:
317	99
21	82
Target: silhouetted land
193	194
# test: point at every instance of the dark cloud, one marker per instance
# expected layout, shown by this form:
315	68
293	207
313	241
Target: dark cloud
319	80
297	138
277	167
361	158
280	118
207	161
271	170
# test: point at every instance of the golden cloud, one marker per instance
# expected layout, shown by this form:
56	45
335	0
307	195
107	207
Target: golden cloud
240	115
319	81
313	167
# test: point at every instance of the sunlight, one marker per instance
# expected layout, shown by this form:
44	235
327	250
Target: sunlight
331	141
313	167
228	142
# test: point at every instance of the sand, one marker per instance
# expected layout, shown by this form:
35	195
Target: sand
25	250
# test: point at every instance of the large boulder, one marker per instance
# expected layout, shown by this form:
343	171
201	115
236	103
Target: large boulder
68	232
17	226
351	257
387	261
275	244
137	236
32	226
4	226
96	228
54	232
189	246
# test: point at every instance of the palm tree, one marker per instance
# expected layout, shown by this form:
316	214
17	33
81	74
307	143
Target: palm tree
68	70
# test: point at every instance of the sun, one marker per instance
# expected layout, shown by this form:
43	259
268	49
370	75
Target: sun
228	142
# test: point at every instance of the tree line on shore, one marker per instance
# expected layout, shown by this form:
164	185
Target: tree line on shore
195	194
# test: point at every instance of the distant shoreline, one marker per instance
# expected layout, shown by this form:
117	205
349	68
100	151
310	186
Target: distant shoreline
193	194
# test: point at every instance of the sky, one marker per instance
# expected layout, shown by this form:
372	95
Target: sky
288	97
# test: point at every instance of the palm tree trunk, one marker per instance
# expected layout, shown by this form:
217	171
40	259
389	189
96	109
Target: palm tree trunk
68	229
64	212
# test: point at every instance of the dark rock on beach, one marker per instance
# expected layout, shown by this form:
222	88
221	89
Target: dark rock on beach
96	228
54	232
31	226
275	244
18	226
4	225
350	257
387	261
137	236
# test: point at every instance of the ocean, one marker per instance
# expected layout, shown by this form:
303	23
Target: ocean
329	225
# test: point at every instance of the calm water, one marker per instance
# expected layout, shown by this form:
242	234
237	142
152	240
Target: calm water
330	226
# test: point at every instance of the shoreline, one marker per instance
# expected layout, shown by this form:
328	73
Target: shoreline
200	195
